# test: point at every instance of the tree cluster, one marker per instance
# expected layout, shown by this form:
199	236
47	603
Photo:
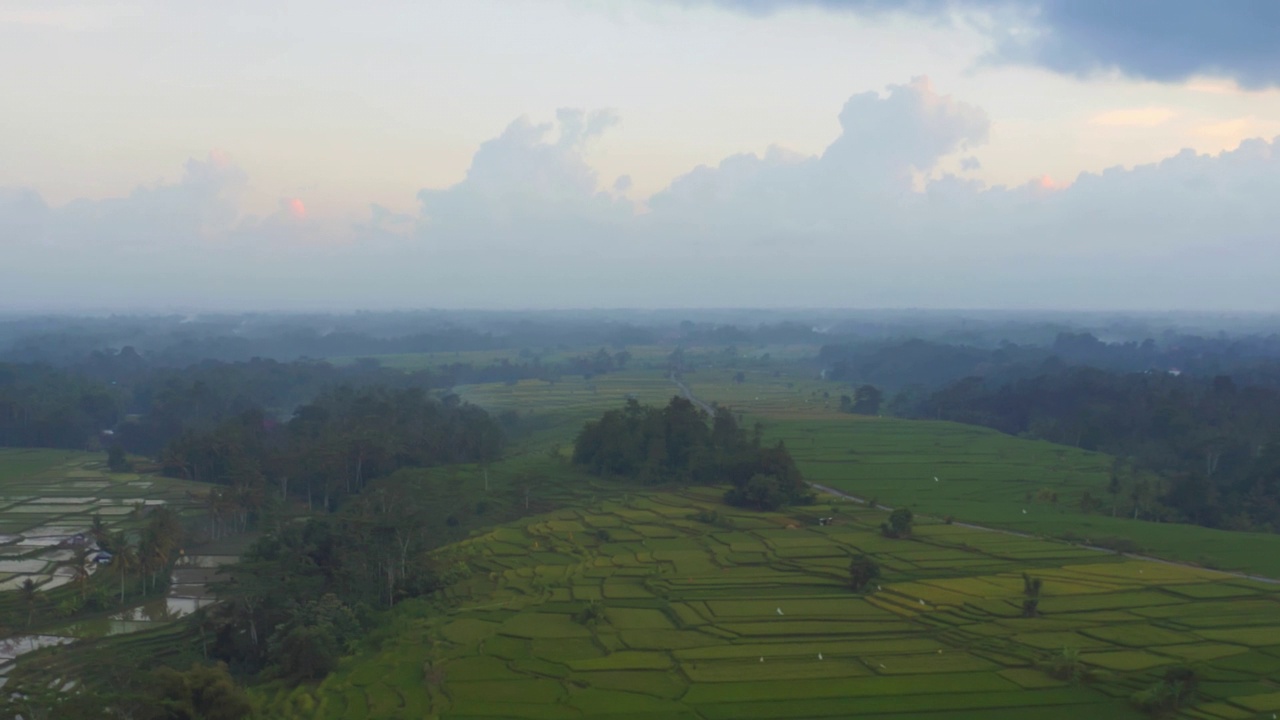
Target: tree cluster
329	450
679	444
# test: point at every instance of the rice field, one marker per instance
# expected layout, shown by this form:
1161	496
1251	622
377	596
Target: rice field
982	476
49	496
631	608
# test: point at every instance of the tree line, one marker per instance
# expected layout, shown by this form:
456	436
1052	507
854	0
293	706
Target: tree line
927	365
119	398
1201	450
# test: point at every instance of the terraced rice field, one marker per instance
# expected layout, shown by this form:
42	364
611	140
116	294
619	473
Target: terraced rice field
750	617
48	496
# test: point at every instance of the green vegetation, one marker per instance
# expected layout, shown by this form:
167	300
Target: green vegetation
679	618
48	498
675	445
899	523
862	571
983	477
409	569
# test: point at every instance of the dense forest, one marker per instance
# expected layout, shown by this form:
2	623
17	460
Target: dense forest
675	444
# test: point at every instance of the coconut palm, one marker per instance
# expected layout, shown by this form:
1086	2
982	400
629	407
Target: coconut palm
80	571
124	559
29	595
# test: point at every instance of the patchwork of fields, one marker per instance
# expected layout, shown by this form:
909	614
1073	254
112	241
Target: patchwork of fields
47	496
637	609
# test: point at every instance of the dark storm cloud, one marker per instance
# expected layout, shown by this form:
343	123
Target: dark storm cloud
1162	40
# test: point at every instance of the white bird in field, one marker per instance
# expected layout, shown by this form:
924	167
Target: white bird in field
819	656
935	478
882	665
922	602
779	611
761	658
1024	511
879	588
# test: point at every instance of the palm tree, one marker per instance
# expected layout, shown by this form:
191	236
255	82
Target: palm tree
124	559
29	595
80	570
99	530
160	539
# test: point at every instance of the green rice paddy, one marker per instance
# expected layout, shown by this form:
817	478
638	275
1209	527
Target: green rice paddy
569	615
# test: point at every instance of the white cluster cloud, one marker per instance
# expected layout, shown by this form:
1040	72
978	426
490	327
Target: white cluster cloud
869	221
523	178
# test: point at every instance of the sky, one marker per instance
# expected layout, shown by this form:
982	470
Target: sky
280	155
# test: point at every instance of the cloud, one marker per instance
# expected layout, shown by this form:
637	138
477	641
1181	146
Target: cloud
202	204
871	221
1133	117
1162	40
884	142
529	174
1233	130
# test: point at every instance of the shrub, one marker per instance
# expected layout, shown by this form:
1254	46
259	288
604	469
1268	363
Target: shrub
1066	665
1176	689
589	615
862	570
899	524
1031	591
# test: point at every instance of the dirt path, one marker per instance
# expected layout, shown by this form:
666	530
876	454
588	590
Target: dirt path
855	498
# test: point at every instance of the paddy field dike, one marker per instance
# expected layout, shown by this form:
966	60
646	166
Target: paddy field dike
670	605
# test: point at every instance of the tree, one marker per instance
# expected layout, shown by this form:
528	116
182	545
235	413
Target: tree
1066	665
867	400
204	692
124	559
761	492
899	524
80	570
862	570
309	644
1031	587
1176	689
116	460
29	597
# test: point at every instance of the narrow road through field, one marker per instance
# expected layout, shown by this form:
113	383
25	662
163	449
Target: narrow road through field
840	493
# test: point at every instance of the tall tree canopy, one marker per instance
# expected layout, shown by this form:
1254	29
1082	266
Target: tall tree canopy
679	444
